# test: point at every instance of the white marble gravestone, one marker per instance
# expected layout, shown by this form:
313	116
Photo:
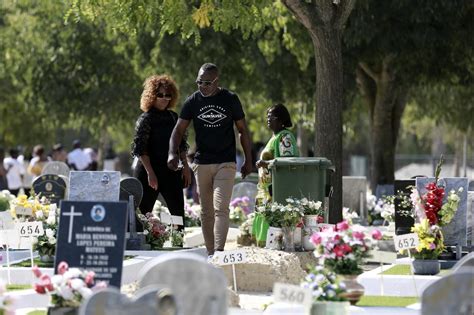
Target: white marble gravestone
354	194
455	233
198	287
94	186
452	294
56	168
150	300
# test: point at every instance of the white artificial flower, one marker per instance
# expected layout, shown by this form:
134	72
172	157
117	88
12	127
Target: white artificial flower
145	232
49	233
52	209
51	219
34	240
85	292
65	292
304	201
57	280
76	284
72	273
52	240
39	214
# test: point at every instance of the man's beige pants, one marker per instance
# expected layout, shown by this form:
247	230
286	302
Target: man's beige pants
215	183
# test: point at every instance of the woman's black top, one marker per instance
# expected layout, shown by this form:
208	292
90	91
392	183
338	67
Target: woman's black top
152	136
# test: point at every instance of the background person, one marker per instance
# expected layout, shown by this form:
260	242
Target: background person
281	144
213	111
77	159
151	142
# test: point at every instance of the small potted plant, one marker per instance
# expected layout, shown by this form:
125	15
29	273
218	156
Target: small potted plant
156	233
327	291
343	249
313	215
285	217
67	289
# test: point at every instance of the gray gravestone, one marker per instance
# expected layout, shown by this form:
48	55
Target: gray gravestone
466	261
94	186
452	294
131	187
148	301
243	189
354	194
384	190
50	186
455	233
57	168
199	287
131	191
470	218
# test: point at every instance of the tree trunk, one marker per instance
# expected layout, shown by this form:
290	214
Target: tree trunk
386	97
329	98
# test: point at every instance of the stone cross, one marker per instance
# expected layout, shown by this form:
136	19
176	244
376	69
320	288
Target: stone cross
71	214
199	287
150	300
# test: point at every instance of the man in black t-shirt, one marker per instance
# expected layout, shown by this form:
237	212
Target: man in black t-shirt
214	111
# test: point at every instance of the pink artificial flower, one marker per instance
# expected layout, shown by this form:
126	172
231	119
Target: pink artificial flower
342	226
99	286
338	251
316	239
89	280
45	282
39	288
358	235
36	271
432	246
62	267
376	235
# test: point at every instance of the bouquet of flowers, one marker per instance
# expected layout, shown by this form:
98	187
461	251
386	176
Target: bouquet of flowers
44	212
239	209
279	215
381	209
156	233
348	214
69	287
324	285
192	214
431	240
343	249
309	207
5	198
5	300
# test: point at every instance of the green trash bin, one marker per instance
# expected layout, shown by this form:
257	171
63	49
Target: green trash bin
301	177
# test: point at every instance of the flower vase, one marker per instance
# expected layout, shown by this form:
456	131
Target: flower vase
425	266
46	258
58	310
330	308
288	238
354	290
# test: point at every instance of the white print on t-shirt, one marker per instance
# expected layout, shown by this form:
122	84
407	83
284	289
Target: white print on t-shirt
286	145
212	115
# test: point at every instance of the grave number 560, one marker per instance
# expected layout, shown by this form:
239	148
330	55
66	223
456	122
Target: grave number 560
292	296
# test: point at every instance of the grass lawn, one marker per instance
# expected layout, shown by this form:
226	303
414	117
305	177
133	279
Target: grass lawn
15	287
37	313
389	301
404	270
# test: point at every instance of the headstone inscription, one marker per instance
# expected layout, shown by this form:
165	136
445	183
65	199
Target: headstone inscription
199	287
56	168
403	222
452	294
354	194
91	236
94	186
149	300
51	186
455	233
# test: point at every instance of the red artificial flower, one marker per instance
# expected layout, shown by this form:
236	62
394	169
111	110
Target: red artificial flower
376	235
320	219
339	251
346	248
39	288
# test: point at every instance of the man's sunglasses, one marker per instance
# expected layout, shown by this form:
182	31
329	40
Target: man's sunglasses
166	96
205	83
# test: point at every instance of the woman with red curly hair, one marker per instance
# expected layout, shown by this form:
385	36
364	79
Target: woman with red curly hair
151	143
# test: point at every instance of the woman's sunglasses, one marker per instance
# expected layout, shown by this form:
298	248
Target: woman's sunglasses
165	96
